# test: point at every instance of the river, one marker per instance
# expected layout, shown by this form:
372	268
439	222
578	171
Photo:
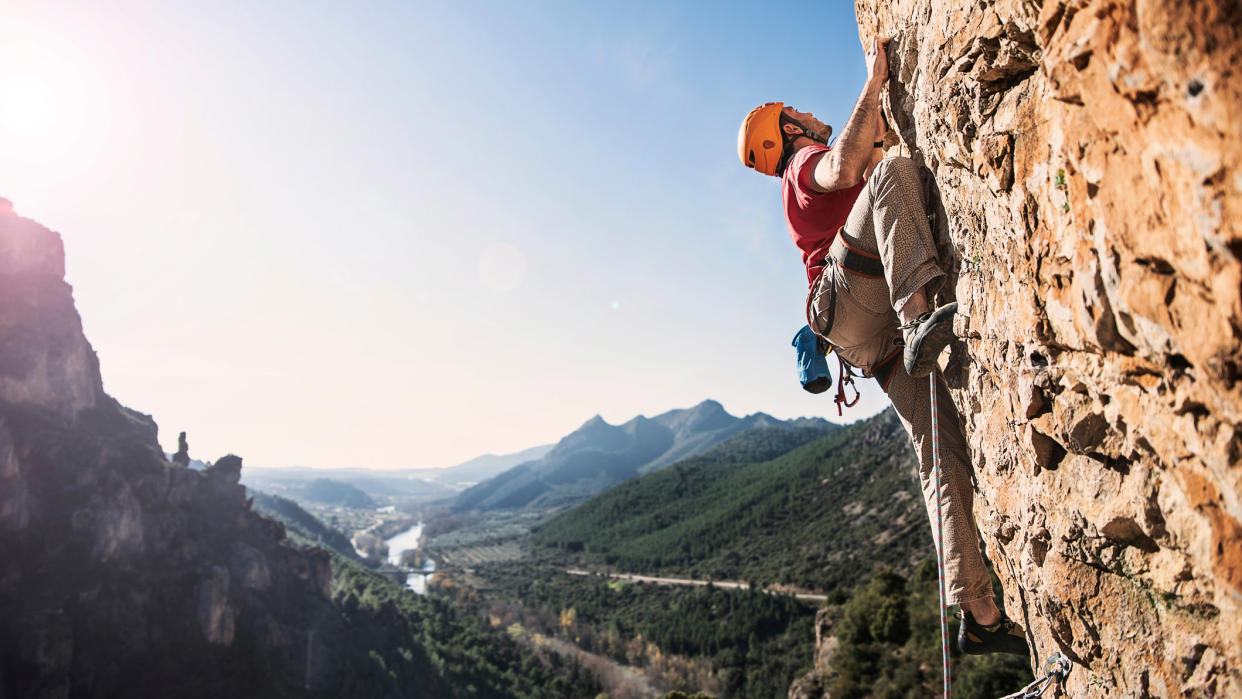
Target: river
407	540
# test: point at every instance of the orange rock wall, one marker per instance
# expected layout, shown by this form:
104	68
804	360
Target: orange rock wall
1088	156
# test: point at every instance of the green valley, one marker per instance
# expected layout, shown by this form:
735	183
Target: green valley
826	509
785	507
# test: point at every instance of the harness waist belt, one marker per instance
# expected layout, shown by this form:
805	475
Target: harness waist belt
855	259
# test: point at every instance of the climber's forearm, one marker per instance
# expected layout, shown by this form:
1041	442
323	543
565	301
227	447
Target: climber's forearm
845	165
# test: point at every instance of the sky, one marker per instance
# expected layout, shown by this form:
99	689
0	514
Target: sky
404	234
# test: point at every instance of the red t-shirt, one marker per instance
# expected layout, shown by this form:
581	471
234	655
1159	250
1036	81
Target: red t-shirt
813	217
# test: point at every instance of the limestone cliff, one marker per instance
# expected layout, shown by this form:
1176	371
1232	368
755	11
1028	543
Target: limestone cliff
45	360
1087	157
119	575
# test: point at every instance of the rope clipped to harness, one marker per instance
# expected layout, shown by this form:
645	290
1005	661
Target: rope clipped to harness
1056	670
847	377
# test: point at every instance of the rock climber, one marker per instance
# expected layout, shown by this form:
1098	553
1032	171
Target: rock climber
859	221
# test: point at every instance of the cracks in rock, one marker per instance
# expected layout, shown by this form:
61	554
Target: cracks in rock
1052	16
1111	463
999	63
1062	630
1126	532
901	102
1105	319
1178	362
1038	546
1155	265
1047	452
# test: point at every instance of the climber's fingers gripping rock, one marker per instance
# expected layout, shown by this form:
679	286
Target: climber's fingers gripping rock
877	61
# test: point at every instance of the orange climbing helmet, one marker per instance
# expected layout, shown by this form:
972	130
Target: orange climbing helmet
759	142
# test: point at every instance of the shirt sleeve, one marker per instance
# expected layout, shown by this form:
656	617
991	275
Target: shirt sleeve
801	174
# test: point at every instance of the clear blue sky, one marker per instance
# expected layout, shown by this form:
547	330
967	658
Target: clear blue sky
405	234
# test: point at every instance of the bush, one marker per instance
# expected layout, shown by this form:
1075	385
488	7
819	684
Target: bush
889	635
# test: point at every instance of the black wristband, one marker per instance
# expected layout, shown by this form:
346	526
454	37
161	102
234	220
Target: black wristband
878	144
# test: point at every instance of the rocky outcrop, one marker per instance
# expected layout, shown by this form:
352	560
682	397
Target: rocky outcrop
816	683
182	457
1087	156
122	575
45	360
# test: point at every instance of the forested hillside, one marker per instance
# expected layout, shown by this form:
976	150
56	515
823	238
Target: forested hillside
300	525
882	639
438	646
729	643
835	511
399	644
770	506
331	492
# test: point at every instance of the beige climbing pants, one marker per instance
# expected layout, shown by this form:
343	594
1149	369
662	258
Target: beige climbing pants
888	221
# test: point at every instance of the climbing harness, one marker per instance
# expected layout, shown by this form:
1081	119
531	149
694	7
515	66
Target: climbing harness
830	312
883	371
1056	670
849	258
856	260
846	372
944	616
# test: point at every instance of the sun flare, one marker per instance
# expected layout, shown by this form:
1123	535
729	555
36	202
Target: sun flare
52	106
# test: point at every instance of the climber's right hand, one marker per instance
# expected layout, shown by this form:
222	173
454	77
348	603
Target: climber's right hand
877	63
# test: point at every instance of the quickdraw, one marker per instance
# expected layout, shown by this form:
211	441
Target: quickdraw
1056	670
847	377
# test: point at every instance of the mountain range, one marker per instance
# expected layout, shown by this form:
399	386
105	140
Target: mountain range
599	455
409	484
480	468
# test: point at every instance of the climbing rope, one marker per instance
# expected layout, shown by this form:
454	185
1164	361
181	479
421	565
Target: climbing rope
1056	669
944	614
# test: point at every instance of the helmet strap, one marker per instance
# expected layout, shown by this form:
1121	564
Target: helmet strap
805	132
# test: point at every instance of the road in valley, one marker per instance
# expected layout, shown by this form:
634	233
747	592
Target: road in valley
732	584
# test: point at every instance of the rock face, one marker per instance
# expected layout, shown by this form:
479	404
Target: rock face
45	360
1087	157
815	683
182	457
121	575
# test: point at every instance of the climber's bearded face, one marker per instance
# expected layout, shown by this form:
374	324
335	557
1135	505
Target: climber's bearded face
812	127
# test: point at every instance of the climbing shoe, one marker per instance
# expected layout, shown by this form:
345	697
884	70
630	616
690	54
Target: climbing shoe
925	337
1004	636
